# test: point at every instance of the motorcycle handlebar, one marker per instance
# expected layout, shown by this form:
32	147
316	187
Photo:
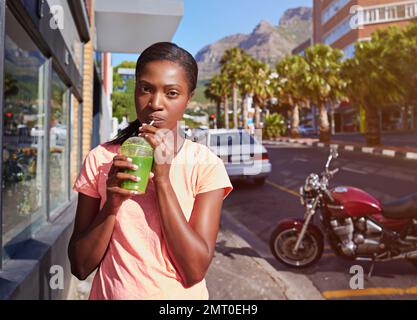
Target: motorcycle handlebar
333	172
330	173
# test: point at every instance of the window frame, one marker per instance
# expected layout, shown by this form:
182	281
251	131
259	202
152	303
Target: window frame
42	218
390	11
334	7
56	212
331	36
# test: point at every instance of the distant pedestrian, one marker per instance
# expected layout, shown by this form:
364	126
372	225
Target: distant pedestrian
157	245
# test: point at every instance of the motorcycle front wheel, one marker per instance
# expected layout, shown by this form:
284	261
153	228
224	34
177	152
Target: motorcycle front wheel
282	243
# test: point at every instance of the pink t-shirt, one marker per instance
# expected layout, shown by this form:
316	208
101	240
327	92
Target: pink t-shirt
137	264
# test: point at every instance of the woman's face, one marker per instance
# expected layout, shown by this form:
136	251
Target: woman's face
161	94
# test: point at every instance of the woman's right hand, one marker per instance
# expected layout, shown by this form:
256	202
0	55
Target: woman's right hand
115	194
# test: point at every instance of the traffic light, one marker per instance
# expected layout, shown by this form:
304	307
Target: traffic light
212	120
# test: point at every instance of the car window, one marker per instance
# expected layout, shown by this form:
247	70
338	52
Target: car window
229	139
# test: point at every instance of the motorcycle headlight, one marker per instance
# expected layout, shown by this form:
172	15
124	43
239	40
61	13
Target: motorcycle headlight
312	182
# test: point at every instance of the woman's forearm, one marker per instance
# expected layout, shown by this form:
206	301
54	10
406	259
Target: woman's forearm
187	249
88	248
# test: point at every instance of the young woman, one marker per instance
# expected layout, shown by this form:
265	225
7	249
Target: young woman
157	245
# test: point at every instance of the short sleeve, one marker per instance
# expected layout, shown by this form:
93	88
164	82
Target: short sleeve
87	180
213	175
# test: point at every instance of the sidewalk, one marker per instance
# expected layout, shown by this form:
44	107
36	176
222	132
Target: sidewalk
239	271
406	139
401	152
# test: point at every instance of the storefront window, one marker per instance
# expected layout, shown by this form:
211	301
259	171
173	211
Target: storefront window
23	135
59	144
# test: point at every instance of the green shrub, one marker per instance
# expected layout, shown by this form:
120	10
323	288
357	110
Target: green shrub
274	126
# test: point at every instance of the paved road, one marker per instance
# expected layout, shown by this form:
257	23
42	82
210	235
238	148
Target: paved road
260	208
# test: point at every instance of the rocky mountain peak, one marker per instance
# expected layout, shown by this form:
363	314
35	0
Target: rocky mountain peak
301	13
264	27
266	42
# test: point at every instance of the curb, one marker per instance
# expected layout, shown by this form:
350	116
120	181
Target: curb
379	151
294	286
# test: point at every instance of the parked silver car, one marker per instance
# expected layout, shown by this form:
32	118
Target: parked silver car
243	155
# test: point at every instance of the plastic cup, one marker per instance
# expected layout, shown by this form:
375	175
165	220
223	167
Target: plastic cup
141	153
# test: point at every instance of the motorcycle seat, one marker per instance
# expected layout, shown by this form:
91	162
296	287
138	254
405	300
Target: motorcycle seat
404	208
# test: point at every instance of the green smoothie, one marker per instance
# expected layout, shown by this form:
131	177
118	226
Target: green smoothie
141	153
144	168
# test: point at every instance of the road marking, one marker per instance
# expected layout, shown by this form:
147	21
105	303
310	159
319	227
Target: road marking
411	155
368	292
353	170
282	188
349	148
389	153
367	149
328	255
300	159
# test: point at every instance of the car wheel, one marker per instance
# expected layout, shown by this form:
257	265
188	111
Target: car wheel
259	181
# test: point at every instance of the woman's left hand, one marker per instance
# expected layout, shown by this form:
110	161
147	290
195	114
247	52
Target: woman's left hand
162	141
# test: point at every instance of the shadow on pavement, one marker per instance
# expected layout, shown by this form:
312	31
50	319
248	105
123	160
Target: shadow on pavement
227	251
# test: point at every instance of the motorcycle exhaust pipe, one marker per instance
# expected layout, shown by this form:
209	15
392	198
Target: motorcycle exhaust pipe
411	255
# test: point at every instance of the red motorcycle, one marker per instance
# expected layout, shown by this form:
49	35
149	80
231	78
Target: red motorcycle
355	223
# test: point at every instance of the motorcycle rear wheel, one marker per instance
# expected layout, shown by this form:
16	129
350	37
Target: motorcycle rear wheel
283	241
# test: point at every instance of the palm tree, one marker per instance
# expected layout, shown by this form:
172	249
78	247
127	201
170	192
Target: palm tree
218	90
289	86
245	86
212	93
261	88
231	65
323	81
374	78
408	51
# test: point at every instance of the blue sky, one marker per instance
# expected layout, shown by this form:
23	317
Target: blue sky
206	21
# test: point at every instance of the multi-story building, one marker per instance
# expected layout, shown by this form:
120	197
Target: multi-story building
300	49
55	82
341	23
126	73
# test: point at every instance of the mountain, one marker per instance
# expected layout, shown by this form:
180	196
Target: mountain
266	42
296	24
